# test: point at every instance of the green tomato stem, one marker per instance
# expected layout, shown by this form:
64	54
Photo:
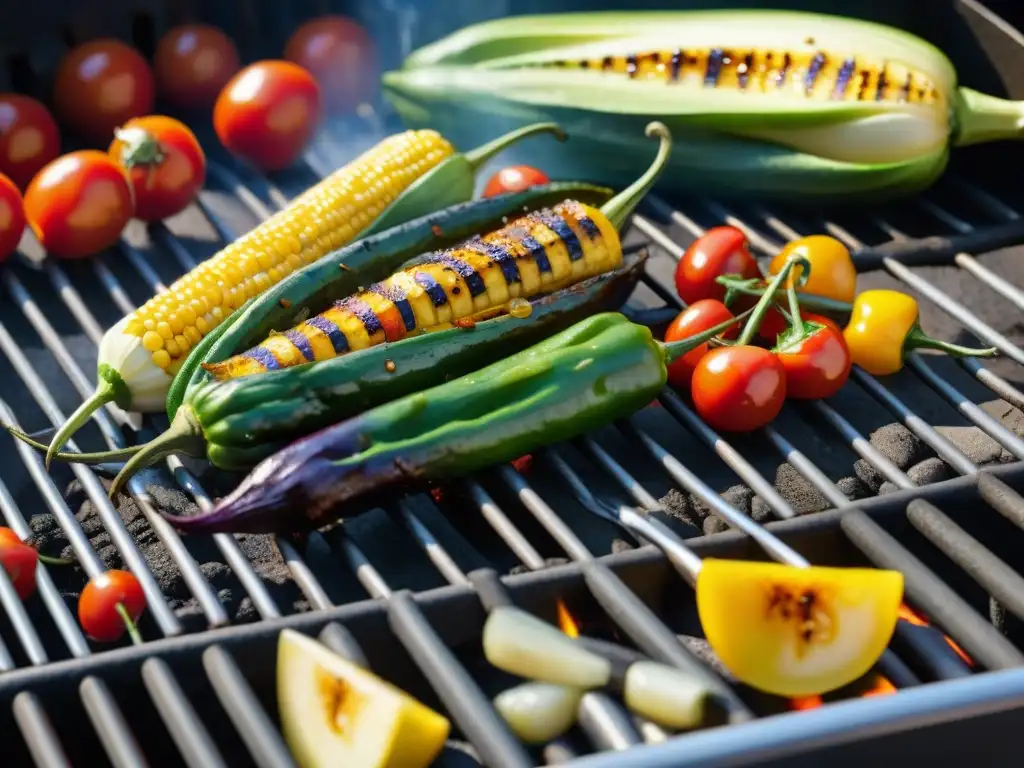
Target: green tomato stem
100	457
56	560
129	624
755	287
918	339
673	350
768	297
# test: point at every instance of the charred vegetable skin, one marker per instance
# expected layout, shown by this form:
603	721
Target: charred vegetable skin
240	422
599	370
763	103
538	253
373	258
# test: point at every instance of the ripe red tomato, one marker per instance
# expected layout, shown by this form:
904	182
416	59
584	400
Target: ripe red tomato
163	161
12	217
97	605
101	85
193	63
341	55
738	389
267	113
515	178
698	317
818	365
20	561
719	251
29	137
79	204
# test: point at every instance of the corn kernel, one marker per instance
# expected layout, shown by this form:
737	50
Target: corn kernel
176	323
182	343
164	330
152	341
202	326
193	335
161	359
172	348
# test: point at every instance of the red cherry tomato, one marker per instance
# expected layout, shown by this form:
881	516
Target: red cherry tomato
773	323
12	217
515	178
696	318
193	63
818	365
79	204
97	605
267	113
29	137
341	55
719	251
164	163
101	85
19	560
738	389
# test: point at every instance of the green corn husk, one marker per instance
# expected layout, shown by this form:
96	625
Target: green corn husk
794	142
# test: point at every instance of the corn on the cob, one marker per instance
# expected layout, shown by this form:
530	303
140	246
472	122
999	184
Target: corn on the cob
387	184
773	103
538	253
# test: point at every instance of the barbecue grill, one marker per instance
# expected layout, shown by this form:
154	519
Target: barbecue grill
921	471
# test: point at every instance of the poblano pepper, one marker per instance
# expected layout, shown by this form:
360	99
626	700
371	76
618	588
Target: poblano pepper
599	370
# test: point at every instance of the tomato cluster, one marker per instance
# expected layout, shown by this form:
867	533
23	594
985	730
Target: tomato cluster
152	166
110	603
737	386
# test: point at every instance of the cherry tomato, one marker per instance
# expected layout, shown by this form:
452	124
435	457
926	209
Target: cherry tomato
29	137
833	274
340	55
515	178
19	560
738	389
101	85
193	63
818	365
773	323
267	113
12	217
719	251
698	317
79	204
164	163
97	605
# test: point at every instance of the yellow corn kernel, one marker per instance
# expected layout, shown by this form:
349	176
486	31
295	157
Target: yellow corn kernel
323	218
152	341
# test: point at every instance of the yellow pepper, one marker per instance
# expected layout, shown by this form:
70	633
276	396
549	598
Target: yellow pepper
833	274
884	326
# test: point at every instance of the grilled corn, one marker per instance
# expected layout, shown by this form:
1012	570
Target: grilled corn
538	253
773	103
385	185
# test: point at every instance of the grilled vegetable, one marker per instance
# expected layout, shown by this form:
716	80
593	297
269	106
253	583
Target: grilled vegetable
768	103
884	327
539	252
370	259
403	177
538	712
600	369
240	422
523	645
797	631
334	713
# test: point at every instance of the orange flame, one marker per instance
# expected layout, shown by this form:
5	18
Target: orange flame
566	622
909	614
881	687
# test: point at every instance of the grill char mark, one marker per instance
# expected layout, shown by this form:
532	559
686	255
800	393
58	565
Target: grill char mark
432	288
713	68
675	64
557	224
474	282
264	357
843	78
338	339
301	343
814	71
362	310
499	255
397	297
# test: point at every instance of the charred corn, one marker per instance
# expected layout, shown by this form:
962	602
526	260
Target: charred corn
403	177
773	103
541	252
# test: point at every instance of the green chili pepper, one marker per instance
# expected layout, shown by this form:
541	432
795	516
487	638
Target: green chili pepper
601	369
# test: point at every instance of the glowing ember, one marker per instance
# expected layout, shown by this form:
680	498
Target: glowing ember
566	622
880	687
909	614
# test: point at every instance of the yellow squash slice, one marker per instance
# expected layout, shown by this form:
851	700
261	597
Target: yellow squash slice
335	713
797	631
